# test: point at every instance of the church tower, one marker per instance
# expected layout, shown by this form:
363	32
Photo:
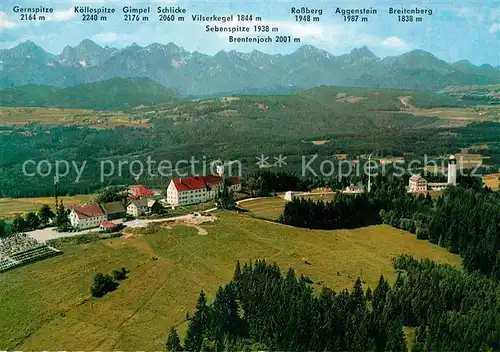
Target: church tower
452	170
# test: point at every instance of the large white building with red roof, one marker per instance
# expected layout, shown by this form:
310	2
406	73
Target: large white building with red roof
86	216
198	189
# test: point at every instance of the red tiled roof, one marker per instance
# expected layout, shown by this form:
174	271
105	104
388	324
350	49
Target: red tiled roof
200	182
88	210
211	180
139	191
107	224
189	183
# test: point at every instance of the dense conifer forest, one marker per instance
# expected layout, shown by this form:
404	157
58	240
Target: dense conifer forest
263	308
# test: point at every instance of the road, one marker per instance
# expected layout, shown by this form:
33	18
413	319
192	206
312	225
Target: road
49	233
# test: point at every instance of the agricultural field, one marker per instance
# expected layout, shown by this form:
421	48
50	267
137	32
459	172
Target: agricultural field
47	305
9	207
272	207
470	160
13	116
457	117
265	208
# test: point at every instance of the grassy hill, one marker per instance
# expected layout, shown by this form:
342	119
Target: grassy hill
116	93
47	305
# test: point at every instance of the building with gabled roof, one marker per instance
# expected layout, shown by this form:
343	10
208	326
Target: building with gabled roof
86	216
417	184
114	210
138	207
107	226
198	189
140	191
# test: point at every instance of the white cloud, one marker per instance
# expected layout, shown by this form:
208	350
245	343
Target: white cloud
495	27
395	43
5	23
61	16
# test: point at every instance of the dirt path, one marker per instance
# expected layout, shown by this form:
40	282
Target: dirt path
404	101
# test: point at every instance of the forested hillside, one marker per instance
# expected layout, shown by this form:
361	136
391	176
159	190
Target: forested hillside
356	121
169	141
116	93
263	308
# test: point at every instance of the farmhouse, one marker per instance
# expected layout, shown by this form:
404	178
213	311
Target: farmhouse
138	207
198	189
86	216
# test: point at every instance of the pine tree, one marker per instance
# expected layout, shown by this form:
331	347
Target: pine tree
198	325
62	218
395	338
379	295
202	309
357	295
237	272
226	197
45	214
19	224
369	294
3	230
32	221
194	335
173	341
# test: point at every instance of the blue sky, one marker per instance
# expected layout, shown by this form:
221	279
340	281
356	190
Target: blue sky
456	30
